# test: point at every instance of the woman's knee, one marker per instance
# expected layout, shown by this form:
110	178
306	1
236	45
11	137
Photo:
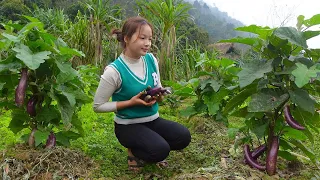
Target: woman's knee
185	138
159	152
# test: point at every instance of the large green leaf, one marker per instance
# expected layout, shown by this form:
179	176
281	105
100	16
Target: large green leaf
76	122
304	149
263	32
19	120
71	98
252	71
247	41
260	130
65	109
13	66
313	53
213	108
310	34
69	51
302	99
47	114
306	61
239	99
300	21
33	61
266	102
11	37
292	35
214	100
188	112
286	155
67	72
314	20
294	134
213	83
27	28
284	144
303	74
64	137
40	137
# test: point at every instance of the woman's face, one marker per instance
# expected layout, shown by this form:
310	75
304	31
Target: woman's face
140	42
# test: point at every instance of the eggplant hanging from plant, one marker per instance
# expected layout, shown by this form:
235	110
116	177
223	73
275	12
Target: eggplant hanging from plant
21	88
290	120
149	93
256	153
249	159
31	107
271	161
31	140
51	141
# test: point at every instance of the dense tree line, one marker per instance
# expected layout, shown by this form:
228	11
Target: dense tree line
208	25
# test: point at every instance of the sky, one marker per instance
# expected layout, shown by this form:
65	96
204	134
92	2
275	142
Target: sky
270	13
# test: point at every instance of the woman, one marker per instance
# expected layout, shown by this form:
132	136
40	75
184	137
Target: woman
138	126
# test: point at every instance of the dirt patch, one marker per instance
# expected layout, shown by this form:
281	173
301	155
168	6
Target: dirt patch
21	162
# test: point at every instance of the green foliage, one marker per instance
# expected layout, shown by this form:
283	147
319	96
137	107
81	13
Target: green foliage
167	16
12	10
286	74
51	80
213	85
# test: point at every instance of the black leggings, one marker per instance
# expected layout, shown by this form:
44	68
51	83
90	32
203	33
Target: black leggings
152	141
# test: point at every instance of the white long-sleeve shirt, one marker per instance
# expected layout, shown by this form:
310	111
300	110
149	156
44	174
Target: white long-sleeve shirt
110	81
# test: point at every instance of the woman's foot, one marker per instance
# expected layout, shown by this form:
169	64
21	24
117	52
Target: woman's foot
162	164
135	164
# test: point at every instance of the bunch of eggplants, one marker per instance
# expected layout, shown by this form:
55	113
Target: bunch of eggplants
272	148
20	95
150	93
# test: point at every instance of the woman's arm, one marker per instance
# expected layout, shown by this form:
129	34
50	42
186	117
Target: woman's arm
109	83
107	86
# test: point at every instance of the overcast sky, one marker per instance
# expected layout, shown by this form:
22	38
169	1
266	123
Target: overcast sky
270	12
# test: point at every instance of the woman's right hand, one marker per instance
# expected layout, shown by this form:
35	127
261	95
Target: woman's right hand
135	100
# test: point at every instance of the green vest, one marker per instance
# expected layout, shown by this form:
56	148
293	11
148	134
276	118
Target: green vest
132	85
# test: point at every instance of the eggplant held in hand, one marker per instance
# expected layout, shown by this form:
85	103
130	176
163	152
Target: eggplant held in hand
290	120
149	93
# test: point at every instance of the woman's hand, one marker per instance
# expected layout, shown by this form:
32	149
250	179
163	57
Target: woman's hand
135	100
159	97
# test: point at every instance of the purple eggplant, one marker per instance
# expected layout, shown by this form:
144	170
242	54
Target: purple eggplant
290	120
21	88
252	162
258	152
51	141
31	107
271	161
152	92
31	140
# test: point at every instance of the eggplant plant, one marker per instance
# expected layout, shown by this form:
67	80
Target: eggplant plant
213	84
278	92
39	85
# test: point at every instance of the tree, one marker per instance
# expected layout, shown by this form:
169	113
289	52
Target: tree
12	9
167	15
